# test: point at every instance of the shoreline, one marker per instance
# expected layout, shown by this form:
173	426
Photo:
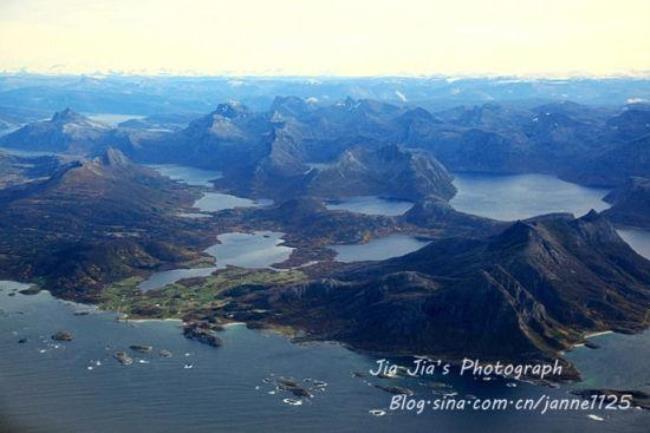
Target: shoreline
143	320
297	336
598	334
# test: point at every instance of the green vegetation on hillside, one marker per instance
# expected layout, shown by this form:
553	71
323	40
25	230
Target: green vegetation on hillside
186	296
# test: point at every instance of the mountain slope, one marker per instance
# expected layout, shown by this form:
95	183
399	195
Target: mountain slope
92	222
230	137
15	170
615	165
272	149
65	132
388	171
525	293
631	203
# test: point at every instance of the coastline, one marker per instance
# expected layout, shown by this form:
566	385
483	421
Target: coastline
141	320
598	334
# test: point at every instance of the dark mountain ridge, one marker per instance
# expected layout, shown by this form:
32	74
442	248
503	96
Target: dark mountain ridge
92	222
526	293
388	171
592	146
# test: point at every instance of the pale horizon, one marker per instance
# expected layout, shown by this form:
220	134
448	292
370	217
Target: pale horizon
412	38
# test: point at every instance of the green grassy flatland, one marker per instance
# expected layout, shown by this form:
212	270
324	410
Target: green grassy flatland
183	297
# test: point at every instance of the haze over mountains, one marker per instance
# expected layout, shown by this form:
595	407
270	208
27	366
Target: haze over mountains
591	146
169	94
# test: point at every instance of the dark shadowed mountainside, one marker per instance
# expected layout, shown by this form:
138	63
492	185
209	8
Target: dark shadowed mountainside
528	292
631	203
269	152
92	222
15	169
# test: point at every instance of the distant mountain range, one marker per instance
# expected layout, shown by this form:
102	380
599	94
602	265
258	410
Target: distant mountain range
364	147
168	94
592	146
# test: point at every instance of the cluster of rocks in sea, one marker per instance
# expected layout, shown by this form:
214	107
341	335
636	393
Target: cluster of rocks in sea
294	387
300	389
396	390
125	359
121	356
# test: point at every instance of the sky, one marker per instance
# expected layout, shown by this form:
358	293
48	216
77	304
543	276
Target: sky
555	38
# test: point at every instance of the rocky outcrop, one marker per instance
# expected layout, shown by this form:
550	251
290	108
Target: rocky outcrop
123	358
202	333
435	213
293	387
62	336
231	138
140	348
589	145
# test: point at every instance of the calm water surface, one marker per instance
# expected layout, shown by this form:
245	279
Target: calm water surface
522	196
378	249
113	119
509	198
216	201
27	153
78	387
620	363
188	175
371	205
259	249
